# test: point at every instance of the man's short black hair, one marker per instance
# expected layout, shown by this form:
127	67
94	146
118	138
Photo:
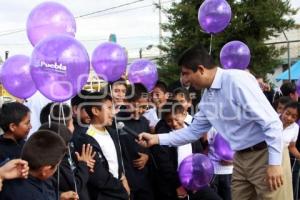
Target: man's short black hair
288	88
162	86
195	56
136	91
94	100
171	107
182	91
43	148
79	98
12	113
53	110
59	129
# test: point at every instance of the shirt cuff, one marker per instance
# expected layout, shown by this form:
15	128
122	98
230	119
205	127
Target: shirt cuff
275	158
163	139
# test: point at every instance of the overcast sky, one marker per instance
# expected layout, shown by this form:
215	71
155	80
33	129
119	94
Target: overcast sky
136	25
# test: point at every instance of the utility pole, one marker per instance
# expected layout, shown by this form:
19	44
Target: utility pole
288	54
160	29
6	54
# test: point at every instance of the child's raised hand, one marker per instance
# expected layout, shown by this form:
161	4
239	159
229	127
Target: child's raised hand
87	155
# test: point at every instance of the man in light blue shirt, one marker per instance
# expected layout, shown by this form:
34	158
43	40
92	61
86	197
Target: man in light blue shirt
234	104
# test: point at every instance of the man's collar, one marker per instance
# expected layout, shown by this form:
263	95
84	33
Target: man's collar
217	82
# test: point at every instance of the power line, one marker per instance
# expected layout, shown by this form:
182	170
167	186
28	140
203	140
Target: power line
10	32
129	9
111	8
5	33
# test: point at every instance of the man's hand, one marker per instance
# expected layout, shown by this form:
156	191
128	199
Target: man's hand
274	177
70	195
147	140
16	168
141	161
87	156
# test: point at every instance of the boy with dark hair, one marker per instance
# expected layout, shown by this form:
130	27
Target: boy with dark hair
160	94
289	89
136	158
43	151
168	159
280	103
183	97
107	182
159	97
74	167
57	112
118	91
15	122
80	117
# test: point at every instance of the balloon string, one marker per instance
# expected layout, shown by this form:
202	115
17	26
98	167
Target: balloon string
58	170
69	151
118	132
210	46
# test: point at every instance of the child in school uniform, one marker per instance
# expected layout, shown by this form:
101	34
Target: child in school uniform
168	159
159	97
107	182
136	158
81	119
74	168
43	151
183	97
290	115
15	122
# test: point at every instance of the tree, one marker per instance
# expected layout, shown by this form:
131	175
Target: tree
253	22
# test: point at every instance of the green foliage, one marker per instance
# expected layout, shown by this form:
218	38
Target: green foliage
253	22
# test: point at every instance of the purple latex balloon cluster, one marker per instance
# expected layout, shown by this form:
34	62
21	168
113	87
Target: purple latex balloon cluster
195	171
59	64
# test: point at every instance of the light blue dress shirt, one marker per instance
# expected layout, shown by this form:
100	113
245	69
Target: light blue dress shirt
237	108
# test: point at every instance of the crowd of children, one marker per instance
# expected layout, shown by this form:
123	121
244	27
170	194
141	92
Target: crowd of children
79	152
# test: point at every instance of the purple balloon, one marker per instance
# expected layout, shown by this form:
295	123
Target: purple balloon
16	78
195	171
222	148
214	15
60	67
109	61
143	71
235	55
298	92
47	19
